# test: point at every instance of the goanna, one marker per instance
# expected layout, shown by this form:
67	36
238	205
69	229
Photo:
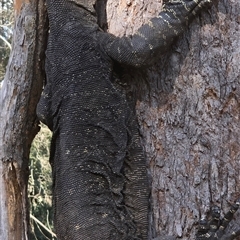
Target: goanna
100	185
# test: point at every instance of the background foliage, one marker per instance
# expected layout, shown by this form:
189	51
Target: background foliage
39	187
6	24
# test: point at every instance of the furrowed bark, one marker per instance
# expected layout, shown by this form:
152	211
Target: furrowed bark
189	117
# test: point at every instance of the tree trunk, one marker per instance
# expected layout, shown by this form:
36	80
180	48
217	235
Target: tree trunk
18	125
189	116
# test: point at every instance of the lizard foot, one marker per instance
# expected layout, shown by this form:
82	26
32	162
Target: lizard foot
215	228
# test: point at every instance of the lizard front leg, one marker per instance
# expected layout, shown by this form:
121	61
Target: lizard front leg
155	37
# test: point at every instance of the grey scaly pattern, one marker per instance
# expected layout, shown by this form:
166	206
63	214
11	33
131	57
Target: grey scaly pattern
100	185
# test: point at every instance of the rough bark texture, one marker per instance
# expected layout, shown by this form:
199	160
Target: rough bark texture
189	118
18	98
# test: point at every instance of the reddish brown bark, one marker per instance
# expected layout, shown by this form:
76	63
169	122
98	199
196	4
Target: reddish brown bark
189	118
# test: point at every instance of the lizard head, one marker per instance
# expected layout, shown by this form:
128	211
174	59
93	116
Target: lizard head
88	5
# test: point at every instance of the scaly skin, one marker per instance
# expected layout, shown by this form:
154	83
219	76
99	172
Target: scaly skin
100	185
215	229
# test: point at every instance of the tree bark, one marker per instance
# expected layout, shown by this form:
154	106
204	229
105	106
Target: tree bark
18	124
189	116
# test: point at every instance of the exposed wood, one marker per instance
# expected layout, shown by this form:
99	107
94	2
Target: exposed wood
189	118
18	125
